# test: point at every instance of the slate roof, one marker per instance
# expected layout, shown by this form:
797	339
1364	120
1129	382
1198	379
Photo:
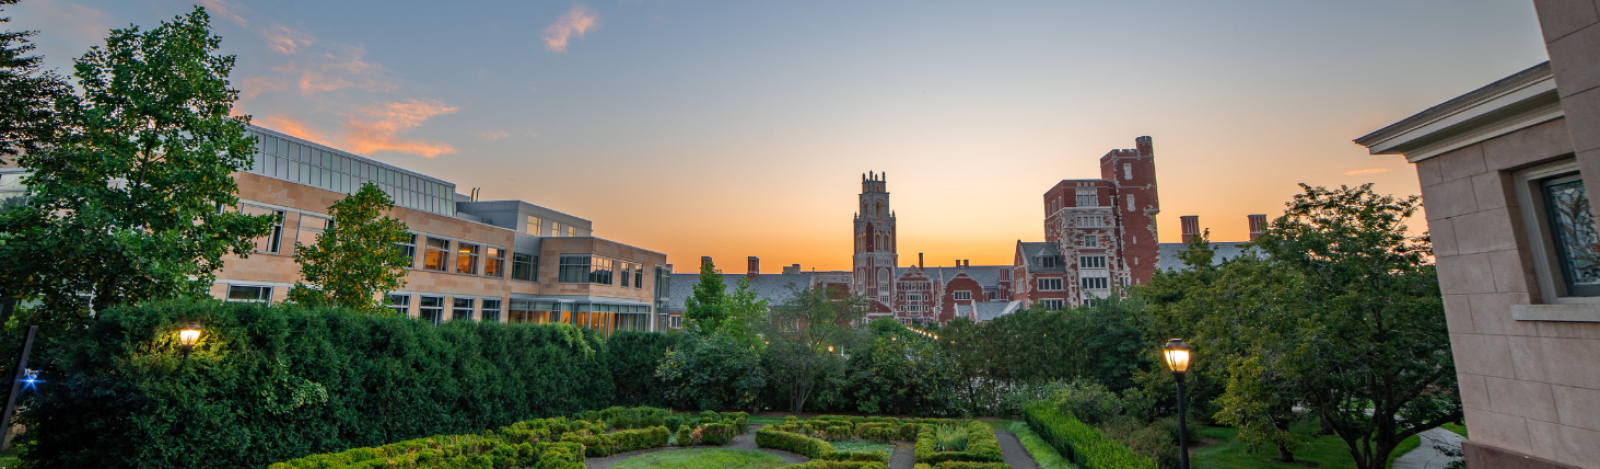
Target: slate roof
772	287
985	275
1031	252
1224	250
988	310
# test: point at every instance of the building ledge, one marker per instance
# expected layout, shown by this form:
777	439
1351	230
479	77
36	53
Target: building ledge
1563	313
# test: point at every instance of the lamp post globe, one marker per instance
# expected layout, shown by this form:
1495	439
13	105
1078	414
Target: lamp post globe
1176	355
187	338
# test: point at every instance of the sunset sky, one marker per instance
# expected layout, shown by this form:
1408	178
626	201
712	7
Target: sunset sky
736	129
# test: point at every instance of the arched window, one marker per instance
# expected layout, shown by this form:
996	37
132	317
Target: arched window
880	209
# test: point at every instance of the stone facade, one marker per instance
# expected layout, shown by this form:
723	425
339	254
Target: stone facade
1525	336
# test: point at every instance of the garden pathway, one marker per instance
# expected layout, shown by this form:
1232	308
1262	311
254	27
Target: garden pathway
904	457
1015	455
745	441
1425	457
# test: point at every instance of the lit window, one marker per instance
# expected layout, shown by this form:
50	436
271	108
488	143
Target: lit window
555	228
466	258
491	311
494	261
408	248
533	226
601	271
435	257
1092	262
249	294
462	309
431	309
963	295
400	304
524	267
572	230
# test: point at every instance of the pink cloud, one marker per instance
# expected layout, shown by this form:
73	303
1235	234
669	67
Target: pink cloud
1367	171
284	40
221	9
294	127
329	72
378	128
577	21
493	135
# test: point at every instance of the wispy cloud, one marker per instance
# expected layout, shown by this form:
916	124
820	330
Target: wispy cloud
250	87
292	126
284	40
334	71
493	135
77	21
1366	171
378	128
577	21
221	9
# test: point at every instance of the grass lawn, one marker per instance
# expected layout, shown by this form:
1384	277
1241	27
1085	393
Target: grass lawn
862	446
765	420
1328	452
704	459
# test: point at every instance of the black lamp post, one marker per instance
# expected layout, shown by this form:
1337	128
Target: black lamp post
1176	354
187	337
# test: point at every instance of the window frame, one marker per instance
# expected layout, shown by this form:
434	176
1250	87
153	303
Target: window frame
467	255
403	307
275	237
409	249
228	295
573	272
457	309
531	265
958	294
489	311
1528	184
494	262
1049	283
443	251
423	309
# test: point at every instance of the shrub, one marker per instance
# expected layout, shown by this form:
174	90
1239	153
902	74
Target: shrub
793	442
447	452
272	383
717	434
971	465
607	444
1081	443
1046	456
981	445
877	456
684	435
827	464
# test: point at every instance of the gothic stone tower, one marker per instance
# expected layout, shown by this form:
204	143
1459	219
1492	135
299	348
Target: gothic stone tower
1134	173
875	257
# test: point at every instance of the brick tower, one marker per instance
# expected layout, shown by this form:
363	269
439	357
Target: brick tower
1134	174
875	256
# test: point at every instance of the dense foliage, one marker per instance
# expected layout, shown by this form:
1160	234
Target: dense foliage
272	383
1080	442
355	259
123	206
807	337
27	94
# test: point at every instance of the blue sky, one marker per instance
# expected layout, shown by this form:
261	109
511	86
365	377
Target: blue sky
735	129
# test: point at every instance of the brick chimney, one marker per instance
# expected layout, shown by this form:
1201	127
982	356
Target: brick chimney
919	261
1258	225
704	260
1191	227
755	268
793	269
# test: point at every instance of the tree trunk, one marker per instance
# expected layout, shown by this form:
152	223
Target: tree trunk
1284	454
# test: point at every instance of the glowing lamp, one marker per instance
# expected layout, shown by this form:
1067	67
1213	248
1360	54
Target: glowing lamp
1177	355
187	337
830	349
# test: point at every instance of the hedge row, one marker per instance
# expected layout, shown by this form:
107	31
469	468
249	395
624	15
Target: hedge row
606	444
982	445
840	428
793	442
447	452
964	465
273	383
1079	442
826	464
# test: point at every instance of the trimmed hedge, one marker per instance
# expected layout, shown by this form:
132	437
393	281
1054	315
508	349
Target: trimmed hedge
272	383
982	446
971	465
793	442
1079	442
606	444
447	452
827	464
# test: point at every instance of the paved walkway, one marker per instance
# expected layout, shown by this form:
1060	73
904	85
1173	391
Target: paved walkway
1013	451
903	458
1425	457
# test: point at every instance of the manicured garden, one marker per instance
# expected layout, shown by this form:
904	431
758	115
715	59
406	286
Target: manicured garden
704	459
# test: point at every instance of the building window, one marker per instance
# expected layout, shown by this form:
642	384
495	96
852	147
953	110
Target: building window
914	308
1052	303
311	227
627	271
555	228
675	322
466	258
1096	283
1130	202
574	268
534	225
494	261
572	231
638	276
524	267
400	304
1049	284
1092	262
438	251
431	309
270	242
1049	261
1127	171
408	248
462	309
1088	197
993	295
913	297
249	294
1090	241
491	311
1562	236
963	295
601	271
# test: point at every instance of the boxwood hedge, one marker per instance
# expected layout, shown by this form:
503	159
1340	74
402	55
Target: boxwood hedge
1079	442
273	383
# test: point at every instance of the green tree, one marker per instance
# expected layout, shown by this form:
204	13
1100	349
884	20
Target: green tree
354	260
897	372
27	94
129	204
714	371
809	335
706	307
745	312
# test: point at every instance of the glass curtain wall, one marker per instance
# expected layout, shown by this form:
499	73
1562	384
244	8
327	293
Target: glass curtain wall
600	317
301	162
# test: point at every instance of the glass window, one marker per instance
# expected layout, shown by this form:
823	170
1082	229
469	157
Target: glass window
466	258
462	309
1096	283
1092	262
1088	197
1572	231
626	270
524	267
963	295
1051	303
572	230
311	227
438	252
1090	241
600	271
574	268
270	242
400	304
431	309
1050	284
408	248
494	261
555	228
491	311
249	294
533	226
638	275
